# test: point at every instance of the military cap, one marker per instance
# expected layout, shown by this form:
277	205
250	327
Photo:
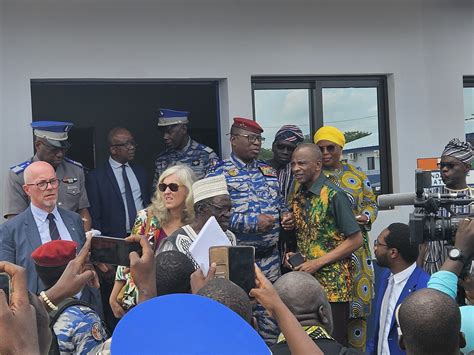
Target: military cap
54	253
170	117
248	125
54	132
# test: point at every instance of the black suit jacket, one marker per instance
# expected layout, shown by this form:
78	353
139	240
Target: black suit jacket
106	204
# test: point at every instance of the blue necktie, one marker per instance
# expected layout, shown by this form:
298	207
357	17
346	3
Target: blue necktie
53	228
132	210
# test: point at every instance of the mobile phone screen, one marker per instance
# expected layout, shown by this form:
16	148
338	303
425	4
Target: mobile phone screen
241	267
114	251
5	285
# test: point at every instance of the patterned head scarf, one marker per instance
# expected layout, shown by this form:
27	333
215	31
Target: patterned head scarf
289	133
330	133
462	151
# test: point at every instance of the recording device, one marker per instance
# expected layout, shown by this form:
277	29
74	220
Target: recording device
296	260
425	222
114	251
235	264
5	285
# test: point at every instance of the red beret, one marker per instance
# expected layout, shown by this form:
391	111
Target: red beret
248	125
55	253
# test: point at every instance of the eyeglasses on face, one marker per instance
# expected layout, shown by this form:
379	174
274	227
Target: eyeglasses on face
378	244
128	145
447	165
252	138
331	148
43	185
173	187
221	209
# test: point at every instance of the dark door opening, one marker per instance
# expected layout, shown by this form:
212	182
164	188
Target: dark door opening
96	106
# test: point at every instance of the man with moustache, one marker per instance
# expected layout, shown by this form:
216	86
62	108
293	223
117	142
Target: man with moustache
42	222
401	277
118	189
327	232
258	208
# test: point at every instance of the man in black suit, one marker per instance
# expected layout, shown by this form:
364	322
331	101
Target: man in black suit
118	189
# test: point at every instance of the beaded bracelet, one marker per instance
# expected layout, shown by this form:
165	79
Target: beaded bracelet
48	301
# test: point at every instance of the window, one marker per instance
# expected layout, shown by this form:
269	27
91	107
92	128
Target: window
355	105
469	109
370	163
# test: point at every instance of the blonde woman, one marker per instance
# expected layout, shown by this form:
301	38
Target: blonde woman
171	208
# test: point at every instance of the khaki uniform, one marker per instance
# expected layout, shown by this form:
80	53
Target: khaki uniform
72	192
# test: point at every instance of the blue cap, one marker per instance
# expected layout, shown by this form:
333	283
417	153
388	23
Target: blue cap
185	324
169	117
54	132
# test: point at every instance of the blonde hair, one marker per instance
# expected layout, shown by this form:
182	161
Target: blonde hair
157	207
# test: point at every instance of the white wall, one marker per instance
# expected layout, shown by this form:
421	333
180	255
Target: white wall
424	46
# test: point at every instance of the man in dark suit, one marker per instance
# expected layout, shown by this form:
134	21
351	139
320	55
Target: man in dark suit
118	189
41	222
394	251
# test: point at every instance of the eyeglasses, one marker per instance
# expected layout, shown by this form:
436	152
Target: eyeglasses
449	166
173	187
377	243
252	138
127	145
289	148
221	209
329	148
43	185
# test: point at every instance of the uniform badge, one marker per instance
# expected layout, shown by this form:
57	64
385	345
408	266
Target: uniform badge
97	332
268	171
233	172
196	162
69	180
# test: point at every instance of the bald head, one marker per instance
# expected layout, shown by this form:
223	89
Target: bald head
38	168
305	298
311	151
430	322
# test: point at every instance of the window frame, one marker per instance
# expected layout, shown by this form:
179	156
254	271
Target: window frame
316	83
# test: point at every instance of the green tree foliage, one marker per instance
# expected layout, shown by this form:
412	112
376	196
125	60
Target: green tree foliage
353	135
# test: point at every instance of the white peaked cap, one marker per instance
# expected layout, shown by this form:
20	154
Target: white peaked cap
209	187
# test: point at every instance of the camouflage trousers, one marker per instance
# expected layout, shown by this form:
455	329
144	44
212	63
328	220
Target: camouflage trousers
267	326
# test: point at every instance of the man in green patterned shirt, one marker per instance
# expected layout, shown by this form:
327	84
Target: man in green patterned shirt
327	232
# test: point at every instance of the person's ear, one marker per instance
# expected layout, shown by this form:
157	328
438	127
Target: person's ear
462	340
26	188
37	144
322	316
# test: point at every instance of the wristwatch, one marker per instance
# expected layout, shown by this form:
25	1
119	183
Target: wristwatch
456	254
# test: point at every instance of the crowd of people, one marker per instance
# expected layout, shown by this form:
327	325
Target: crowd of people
306	201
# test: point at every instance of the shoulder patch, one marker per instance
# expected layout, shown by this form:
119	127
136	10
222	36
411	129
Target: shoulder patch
20	167
97	331
208	149
76	163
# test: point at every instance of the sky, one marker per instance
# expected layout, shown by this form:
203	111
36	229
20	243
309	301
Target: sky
349	109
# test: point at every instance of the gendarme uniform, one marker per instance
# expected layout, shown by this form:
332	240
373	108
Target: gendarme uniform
197	156
79	329
72	193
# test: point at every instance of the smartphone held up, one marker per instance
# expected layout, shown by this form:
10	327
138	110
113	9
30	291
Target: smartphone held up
113	251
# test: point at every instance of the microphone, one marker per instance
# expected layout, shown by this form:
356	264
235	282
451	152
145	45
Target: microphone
389	201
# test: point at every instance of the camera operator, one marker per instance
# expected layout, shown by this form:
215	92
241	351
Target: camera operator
446	279
455	165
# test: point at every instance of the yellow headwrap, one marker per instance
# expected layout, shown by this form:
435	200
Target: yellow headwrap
330	133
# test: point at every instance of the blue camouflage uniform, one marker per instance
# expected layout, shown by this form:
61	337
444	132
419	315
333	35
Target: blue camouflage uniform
197	156
79	329
254	189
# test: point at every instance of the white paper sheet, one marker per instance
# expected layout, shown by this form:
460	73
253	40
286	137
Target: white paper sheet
211	235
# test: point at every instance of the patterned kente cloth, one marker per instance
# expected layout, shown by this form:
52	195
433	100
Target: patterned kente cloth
363	202
324	218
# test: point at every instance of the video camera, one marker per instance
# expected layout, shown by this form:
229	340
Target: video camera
426	222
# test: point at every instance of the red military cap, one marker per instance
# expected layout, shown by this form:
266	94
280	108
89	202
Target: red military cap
248	125
55	253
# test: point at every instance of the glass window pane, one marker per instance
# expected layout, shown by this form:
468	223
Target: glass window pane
355	112
469	114
275	108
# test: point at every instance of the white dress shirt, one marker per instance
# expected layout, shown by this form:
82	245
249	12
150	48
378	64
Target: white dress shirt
396	283
135	186
42	222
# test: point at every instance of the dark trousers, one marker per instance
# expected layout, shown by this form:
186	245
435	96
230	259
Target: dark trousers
340	317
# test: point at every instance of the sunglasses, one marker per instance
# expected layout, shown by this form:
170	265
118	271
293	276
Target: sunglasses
173	187
449	166
329	148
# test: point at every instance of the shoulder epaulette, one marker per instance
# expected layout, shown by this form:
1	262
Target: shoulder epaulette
20	167
76	163
208	149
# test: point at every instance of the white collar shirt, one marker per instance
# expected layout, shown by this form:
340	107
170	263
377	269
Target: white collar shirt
42	222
